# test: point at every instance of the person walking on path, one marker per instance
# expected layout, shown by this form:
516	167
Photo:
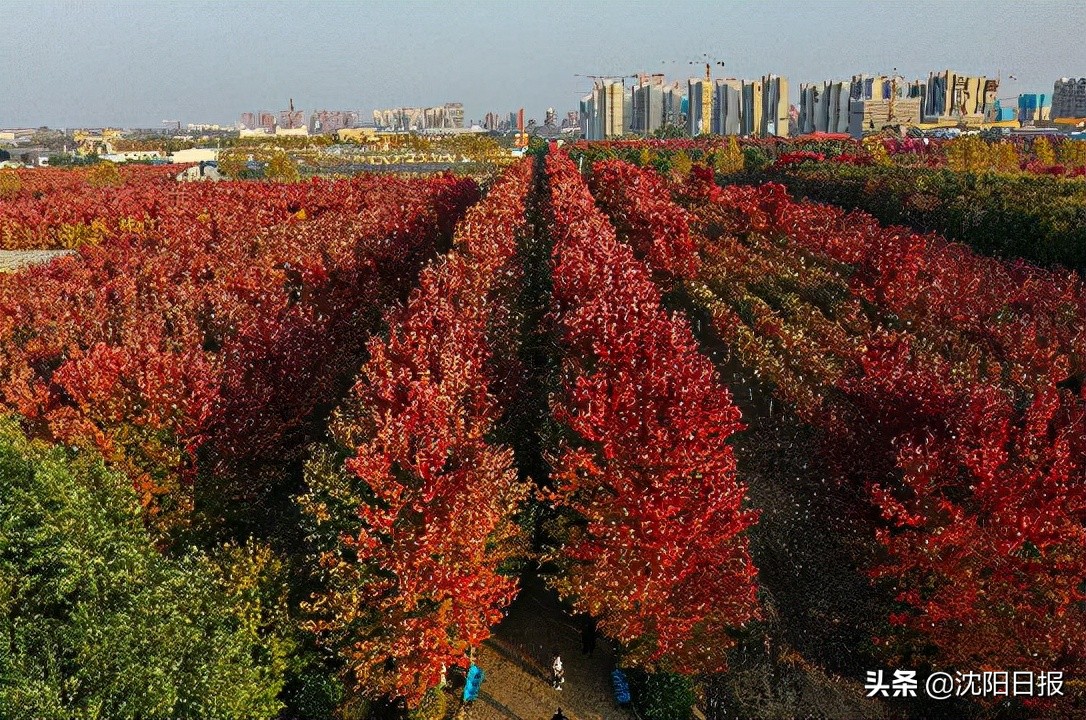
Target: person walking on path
559	715
588	635
557	674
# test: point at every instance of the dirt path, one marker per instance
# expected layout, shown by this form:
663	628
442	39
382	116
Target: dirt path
12	260
517	663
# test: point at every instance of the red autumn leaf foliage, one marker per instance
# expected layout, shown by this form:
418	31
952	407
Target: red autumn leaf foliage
213	347
638	203
655	545
435	526
948	385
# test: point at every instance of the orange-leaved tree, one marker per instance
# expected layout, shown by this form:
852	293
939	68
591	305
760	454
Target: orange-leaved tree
652	538
414	529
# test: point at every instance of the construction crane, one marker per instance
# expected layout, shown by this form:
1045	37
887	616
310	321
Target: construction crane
615	76
607	77
707	90
708	66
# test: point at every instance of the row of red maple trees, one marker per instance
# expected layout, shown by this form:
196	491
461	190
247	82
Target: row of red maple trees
194	358
62	209
948	388
203	352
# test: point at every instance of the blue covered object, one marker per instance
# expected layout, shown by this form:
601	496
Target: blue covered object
621	686
475	679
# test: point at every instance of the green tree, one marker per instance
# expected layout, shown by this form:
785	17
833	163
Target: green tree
662	695
233	162
97	624
669	131
280	167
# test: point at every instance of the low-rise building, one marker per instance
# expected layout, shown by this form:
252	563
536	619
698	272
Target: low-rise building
132	156
194	155
200	172
16	134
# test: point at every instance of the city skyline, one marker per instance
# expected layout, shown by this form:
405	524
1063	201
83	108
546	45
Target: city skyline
136	64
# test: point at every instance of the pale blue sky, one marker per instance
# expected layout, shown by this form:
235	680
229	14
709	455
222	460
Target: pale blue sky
137	63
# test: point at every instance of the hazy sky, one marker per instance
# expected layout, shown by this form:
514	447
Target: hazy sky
131	64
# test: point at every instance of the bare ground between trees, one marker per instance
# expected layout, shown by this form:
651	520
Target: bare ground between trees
517	662
12	260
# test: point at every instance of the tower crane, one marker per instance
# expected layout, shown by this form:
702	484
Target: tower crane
616	76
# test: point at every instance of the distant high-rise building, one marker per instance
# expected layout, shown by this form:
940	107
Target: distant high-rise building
775	106
753	108
573	119
647	109
550	119
699	107
330	121
866	103
674	101
449	115
727	106
646	104
454	115
612	109
292	119
400	119
248	121
266	121
586	114
738	107
1069	98
953	95
824	107
603	112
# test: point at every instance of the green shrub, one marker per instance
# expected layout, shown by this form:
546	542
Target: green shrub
1038	218
97	624
434	705
756	158
312	691
662	695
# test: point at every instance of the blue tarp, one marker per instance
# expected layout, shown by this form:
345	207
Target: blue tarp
475	679
621	686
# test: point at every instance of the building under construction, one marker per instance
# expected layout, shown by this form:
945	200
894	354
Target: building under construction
1069	98
447	116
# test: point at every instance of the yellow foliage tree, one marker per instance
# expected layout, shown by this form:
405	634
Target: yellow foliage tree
681	165
10	184
728	159
1042	150
280	167
104	174
1072	153
232	162
967	153
875	148
1003	157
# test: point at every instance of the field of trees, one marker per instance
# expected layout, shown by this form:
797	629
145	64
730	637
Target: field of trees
292	449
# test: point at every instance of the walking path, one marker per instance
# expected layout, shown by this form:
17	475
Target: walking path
12	260
517	663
